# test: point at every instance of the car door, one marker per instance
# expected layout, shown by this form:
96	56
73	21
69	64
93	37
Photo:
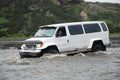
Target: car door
77	37
61	40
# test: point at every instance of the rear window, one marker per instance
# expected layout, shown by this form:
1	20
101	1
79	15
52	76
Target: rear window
75	29
91	28
104	27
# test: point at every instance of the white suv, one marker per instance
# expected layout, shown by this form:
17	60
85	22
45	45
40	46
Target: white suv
67	38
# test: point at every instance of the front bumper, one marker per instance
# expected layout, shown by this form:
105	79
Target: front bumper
30	53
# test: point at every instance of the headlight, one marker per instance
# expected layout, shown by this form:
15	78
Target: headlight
40	45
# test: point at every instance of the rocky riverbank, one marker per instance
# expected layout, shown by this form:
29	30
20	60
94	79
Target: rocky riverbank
114	42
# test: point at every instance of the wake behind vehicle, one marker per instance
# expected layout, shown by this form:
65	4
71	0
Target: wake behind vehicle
67	38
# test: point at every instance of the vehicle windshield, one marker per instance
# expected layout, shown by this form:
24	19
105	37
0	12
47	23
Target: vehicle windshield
45	32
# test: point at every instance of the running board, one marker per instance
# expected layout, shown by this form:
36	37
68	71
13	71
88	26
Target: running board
76	51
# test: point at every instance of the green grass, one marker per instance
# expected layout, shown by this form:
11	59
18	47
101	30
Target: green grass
14	37
115	35
3	20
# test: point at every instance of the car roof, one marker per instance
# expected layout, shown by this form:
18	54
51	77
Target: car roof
71	23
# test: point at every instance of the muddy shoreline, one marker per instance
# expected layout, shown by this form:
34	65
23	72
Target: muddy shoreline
114	42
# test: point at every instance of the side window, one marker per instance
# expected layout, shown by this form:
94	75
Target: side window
104	27
75	29
90	28
61	32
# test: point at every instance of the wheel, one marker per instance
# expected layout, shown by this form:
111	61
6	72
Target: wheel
98	47
52	50
40	54
22	55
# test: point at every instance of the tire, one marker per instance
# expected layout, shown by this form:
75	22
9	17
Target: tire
22	56
98	47
40	54
52	50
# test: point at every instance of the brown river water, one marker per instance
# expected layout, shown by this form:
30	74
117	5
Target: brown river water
90	66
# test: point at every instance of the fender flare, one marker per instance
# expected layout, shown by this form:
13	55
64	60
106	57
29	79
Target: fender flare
91	42
50	45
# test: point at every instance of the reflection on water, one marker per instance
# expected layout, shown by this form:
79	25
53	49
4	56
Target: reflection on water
91	66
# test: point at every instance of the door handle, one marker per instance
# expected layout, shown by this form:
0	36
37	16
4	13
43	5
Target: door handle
68	41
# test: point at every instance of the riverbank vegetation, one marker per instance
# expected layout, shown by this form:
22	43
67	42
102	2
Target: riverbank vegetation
21	18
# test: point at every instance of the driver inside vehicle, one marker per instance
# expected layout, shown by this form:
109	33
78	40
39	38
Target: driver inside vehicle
61	32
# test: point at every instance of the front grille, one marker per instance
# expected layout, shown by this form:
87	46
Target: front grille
31	46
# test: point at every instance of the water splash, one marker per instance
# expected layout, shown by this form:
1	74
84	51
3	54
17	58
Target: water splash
80	54
55	55
99	53
103	52
16	61
21	62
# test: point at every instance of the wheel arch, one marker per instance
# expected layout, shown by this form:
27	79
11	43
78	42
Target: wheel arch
51	46
96	46
95	41
98	42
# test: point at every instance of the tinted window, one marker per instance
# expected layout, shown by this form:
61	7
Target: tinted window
90	28
104	27
75	29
